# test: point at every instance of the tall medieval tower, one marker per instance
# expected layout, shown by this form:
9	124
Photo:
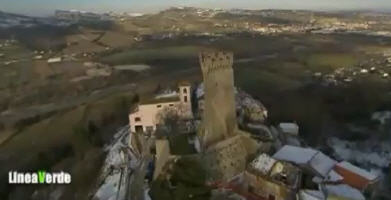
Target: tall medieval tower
219	120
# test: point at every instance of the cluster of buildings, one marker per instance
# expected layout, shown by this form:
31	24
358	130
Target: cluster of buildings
341	75
7	43
77	16
254	161
313	27
319	25
4	44
337	25
200	12
277	28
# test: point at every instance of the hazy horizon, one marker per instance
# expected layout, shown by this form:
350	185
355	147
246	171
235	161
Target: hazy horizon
47	7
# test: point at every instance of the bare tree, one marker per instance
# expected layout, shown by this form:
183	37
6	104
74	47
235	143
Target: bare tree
169	119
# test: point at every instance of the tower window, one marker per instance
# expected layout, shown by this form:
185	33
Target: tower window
137	119
185	99
184	90
159	106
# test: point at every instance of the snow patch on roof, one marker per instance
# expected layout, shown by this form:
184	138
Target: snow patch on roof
311	195
297	155
314	159
333	177
322	164
166	94
345	191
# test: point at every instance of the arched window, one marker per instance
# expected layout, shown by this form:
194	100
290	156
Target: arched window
184	90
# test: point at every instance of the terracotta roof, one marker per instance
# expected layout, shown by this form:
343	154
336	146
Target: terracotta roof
354	176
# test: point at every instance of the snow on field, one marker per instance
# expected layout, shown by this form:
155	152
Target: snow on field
382	116
109	189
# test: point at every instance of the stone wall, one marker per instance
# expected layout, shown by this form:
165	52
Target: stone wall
267	189
226	159
162	156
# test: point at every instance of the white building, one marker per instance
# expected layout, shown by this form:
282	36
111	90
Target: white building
145	116
55	60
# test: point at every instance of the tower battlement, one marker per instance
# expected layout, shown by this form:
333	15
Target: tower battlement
213	60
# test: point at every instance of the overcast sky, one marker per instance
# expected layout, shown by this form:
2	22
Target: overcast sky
47	7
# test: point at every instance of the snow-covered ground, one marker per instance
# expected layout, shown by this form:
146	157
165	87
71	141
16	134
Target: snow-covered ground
109	189
382	116
363	153
118	158
373	154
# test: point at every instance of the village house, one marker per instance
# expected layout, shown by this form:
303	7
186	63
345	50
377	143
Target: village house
355	176
335	180
272	179
146	116
313	162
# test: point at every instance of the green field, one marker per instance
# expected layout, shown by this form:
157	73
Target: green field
262	81
190	178
70	140
147	55
330	61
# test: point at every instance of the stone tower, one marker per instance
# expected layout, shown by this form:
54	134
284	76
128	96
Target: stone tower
219	120
185	98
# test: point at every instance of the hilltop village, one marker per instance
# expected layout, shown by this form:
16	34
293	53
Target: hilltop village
212	141
308	82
